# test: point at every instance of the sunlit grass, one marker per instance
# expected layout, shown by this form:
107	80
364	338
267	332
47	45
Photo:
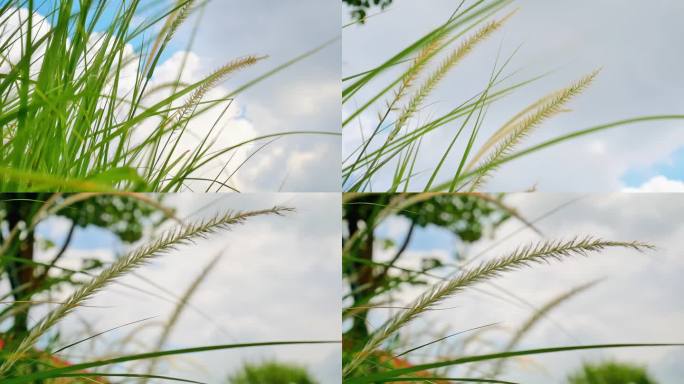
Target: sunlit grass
81	109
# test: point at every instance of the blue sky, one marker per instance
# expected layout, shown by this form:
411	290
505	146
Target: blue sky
88	238
151	10
424	239
672	168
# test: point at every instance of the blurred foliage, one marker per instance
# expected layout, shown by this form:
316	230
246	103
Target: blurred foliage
467	217
360	8
271	373
611	373
123	216
464	216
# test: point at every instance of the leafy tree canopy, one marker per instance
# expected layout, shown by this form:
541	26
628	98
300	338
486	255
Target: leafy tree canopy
360	8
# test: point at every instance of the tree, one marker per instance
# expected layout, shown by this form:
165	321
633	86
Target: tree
271	373
123	215
465	216
360	7
610	373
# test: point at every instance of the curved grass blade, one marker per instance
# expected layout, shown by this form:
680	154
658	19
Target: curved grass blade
397	373
143	356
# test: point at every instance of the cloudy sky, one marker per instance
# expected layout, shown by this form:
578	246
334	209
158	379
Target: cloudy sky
638	299
272	283
304	97
640	76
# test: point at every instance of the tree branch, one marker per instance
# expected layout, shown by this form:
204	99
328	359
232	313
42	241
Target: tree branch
396	257
43	276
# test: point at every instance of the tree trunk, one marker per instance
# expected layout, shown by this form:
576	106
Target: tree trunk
363	275
20	273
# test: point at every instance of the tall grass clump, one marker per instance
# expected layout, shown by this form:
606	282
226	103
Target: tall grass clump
81	107
385	351
389	152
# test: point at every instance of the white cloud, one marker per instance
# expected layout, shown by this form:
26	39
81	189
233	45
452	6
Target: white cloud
658	184
13	20
304	97
231	129
597	147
